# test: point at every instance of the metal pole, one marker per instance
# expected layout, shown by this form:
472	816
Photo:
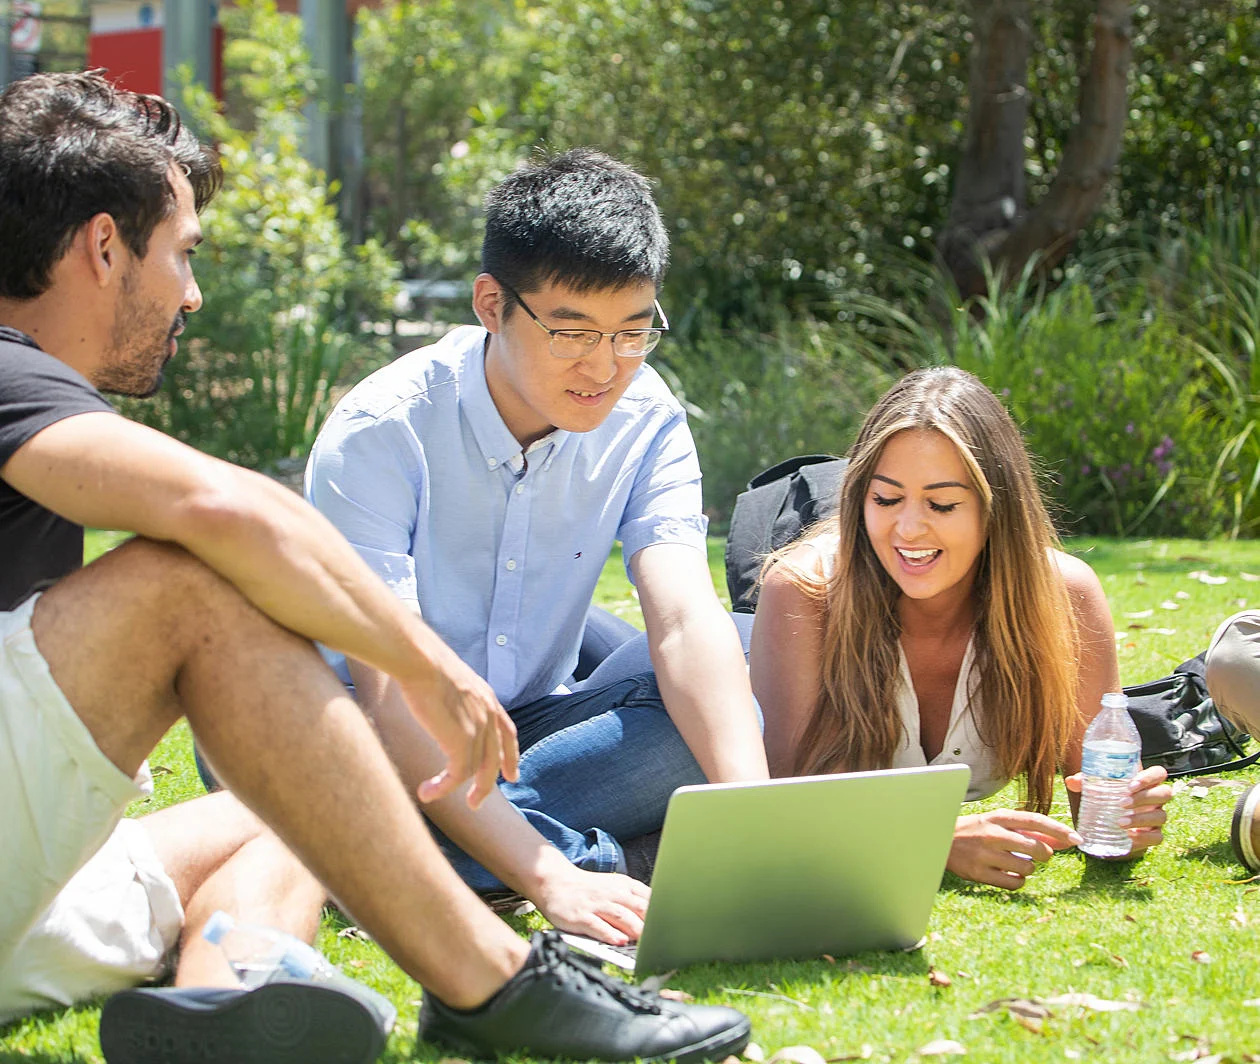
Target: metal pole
330	140
6	57
185	43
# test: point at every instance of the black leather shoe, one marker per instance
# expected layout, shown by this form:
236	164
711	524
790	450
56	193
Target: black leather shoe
276	1023
563	1005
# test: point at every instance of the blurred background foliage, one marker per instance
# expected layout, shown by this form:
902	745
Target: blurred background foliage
803	153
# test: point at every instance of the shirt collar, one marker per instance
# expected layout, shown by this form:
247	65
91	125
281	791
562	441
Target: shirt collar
494	439
16	336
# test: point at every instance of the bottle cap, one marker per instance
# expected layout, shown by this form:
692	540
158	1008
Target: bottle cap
1115	700
217	926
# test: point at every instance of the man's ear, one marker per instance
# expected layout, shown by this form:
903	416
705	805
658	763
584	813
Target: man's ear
487	302
102	246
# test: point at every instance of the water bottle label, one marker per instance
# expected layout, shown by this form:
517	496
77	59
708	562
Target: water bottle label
1118	761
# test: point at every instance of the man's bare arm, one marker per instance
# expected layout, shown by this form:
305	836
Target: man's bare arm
104	471
698	662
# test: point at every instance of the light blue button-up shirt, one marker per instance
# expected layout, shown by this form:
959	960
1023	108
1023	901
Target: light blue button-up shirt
500	548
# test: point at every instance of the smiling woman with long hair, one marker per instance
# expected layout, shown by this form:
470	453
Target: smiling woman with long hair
934	620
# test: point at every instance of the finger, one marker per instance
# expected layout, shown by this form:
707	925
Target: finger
1148	778
628	923
1144	818
510	757
1051	846
438	786
1030	823
1074	782
997	877
486	759
1146	838
1155	796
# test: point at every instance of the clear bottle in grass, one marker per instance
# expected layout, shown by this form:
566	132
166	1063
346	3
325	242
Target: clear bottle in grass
259	955
1110	758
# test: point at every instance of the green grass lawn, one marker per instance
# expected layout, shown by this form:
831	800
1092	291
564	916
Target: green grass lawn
1171	939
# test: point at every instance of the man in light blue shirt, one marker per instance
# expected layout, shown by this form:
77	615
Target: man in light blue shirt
485	479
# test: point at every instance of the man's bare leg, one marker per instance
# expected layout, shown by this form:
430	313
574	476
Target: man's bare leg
148	633
221	856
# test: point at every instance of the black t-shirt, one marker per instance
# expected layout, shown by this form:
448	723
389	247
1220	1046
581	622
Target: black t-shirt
37	547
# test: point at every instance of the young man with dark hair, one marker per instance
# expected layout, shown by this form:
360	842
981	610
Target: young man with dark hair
485	479
210	613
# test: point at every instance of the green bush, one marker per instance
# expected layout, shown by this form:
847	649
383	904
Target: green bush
755	398
286	295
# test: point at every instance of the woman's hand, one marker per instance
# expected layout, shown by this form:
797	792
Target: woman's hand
1148	794
1004	846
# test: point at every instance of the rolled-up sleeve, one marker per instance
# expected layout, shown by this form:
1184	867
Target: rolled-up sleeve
665	503
365	475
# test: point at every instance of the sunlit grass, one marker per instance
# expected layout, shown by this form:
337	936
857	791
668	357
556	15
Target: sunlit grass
1173	933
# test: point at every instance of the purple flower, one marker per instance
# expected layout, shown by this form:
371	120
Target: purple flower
1129	428
1086	469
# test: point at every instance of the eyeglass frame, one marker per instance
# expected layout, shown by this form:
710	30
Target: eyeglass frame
551	333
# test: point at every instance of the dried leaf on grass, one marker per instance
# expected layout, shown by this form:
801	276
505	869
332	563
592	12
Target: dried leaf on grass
1030	1008
942	1047
354	932
1201	1050
797	1055
1113	958
1168	604
862	1054
938	978
1094	1004
1137	615
755	1053
1250	577
161	770
1205	577
1201	956
671	994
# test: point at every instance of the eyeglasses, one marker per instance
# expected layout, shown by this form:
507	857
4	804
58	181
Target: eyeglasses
579	343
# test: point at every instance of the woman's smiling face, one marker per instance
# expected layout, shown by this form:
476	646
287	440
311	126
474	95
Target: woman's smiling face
923	515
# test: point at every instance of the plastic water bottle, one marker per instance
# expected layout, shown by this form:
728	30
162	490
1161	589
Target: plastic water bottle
258	955
1112	756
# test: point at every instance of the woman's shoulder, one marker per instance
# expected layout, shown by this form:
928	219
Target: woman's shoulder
1078	575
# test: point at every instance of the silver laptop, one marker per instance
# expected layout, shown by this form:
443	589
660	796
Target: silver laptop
795	868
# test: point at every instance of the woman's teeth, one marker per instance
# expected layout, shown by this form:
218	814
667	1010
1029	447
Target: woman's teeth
918	556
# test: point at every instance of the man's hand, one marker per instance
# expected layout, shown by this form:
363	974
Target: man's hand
603	905
460	711
1004	846
1149	792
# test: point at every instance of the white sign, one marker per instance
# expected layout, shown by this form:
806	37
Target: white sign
27	30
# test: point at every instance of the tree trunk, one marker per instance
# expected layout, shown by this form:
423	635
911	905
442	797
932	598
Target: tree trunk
989	217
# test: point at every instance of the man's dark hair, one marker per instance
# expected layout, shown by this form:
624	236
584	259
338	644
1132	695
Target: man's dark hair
581	219
73	146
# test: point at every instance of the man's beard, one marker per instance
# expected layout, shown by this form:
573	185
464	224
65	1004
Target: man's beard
133	370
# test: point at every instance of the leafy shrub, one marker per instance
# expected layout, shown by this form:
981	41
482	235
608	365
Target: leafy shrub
286	295
755	398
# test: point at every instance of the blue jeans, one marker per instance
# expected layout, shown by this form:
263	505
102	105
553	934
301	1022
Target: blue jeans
598	765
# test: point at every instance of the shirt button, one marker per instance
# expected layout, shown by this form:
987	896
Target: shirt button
501	640
492	462
511	564
520	489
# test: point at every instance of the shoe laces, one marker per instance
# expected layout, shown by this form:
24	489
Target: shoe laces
554	957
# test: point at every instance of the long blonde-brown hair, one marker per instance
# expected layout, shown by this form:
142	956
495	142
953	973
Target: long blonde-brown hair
1025	637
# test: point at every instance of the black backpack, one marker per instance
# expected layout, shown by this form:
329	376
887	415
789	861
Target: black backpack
778	505
1179	723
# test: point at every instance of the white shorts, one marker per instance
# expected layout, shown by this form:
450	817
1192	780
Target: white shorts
85	906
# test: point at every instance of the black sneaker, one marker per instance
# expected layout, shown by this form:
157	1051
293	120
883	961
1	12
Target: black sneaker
276	1023
563	1005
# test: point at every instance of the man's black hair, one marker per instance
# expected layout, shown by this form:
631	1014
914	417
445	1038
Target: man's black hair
73	146
581	219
